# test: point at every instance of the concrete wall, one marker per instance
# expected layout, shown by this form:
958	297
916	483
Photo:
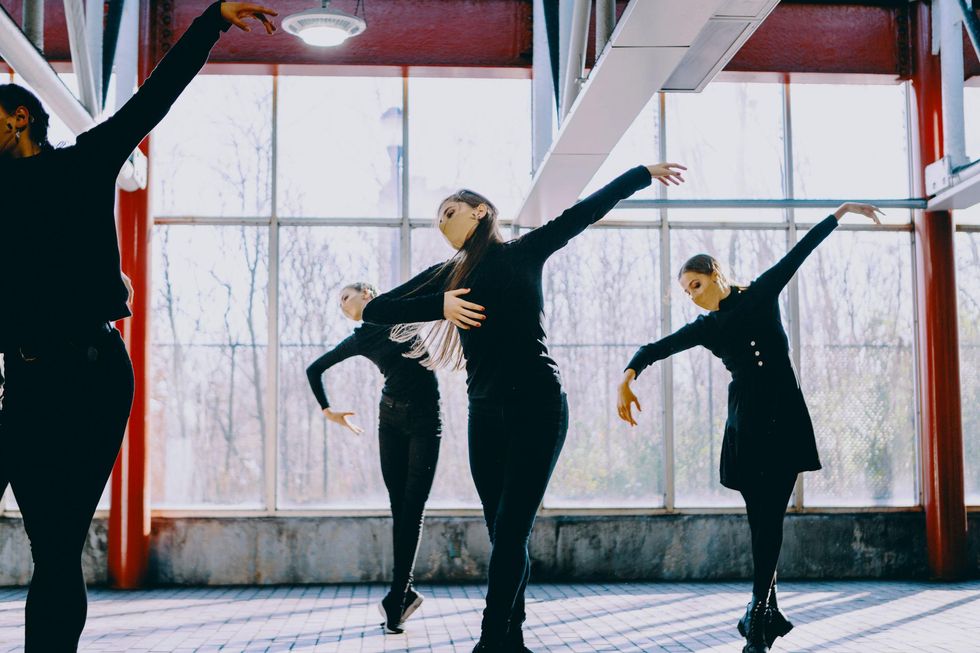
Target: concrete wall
227	551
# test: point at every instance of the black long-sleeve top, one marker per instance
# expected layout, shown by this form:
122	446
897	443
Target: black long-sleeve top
59	254
405	378
509	350
746	332
768	425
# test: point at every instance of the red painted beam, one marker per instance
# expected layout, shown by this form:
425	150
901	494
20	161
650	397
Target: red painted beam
940	420
129	512
800	36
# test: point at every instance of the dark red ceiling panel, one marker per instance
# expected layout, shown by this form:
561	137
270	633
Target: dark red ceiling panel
802	36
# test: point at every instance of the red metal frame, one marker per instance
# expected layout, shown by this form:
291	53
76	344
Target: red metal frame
940	418
129	512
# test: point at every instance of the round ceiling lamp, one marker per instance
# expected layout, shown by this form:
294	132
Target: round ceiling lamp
324	26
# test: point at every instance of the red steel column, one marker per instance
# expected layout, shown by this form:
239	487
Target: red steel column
129	514
940	418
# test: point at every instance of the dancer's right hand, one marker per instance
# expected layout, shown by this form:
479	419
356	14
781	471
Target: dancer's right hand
460	312
343	419
667	172
236	13
627	399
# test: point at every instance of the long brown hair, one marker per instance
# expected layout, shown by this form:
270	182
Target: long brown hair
703	264
437	345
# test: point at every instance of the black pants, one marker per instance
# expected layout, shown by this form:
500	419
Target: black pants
63	420
766	496
409	439
514	445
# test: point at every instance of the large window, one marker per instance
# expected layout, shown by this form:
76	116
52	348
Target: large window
968	285
288	188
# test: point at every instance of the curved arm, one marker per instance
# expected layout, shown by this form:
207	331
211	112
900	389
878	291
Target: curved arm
552	236
406	304
120	134
689	335
772	281
314	373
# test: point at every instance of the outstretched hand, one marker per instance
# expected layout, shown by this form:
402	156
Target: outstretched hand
667	173
867	210
236	13
342	418
626	400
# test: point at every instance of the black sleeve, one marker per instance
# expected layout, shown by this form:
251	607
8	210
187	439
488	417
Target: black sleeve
687	336
552	236
114	139
772	281
314	373
420	299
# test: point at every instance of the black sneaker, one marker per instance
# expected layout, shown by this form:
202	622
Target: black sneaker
413	600
515	642
391	610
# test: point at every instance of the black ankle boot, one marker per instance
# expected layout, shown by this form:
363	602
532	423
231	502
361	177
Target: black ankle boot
777	625
515	642
753	626
391	609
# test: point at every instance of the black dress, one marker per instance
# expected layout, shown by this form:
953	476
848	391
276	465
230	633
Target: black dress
768	426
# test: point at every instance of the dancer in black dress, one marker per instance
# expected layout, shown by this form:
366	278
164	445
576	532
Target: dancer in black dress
69	380
768	436
408	437
518	414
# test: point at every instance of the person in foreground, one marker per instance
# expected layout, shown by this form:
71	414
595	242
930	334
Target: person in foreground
487	304
69	381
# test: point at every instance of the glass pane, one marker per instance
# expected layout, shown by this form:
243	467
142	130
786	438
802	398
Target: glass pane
727	215
216	161
340	146
857	369
849	141
208	384
730	136
701	380
805	218
592	333
472	133
968	216
968	286
640	145
453	486
320	463
971	112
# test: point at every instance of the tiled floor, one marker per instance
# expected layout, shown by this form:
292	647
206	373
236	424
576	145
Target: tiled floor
870	617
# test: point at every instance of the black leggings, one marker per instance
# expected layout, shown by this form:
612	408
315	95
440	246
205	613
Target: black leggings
514	445
766	497
63	419
408	435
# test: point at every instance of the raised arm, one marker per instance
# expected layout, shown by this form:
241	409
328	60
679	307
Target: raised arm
552	236
314	373
420	299
686	337
119	135
772	281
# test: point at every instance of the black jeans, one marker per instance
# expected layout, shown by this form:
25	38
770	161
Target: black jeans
409	439
63	420
514	445
766	496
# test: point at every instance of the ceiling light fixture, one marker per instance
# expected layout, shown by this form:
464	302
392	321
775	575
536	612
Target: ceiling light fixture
325	27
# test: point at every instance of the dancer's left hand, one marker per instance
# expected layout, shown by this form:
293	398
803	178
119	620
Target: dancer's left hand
236	13
867	210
